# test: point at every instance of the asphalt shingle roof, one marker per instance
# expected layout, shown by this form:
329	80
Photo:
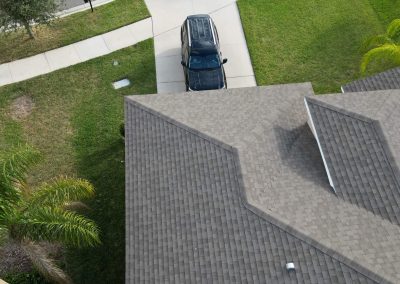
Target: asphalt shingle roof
386	80
358	159
188	220
281	167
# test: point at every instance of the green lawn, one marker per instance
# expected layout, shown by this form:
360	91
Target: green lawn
386	10
317	41
72	28
75	123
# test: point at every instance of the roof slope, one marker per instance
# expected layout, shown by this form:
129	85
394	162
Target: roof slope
389	79
357	158
381	106
187	220
282	168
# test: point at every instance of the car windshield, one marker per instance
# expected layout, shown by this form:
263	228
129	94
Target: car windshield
209	61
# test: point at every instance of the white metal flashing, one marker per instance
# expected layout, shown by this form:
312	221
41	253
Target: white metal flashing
311	124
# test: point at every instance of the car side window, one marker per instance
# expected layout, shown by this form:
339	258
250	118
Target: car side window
186	44
216	34
184	32
184	41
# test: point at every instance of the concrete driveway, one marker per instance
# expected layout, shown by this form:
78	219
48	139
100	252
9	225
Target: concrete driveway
168	16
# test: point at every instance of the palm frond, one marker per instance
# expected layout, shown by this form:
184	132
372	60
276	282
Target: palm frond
381	56
393	30
56	224
44	264
61	191
14	165
375	41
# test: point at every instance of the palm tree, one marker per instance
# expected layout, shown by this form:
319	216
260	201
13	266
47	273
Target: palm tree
29	216
382	50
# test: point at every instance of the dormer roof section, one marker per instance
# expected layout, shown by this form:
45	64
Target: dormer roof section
357	158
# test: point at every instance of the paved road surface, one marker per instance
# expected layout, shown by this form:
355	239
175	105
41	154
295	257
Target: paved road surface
67	4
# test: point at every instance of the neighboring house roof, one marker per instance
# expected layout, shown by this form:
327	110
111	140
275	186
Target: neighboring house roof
193	159
389	79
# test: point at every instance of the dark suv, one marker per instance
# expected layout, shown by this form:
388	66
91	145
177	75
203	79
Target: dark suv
201	56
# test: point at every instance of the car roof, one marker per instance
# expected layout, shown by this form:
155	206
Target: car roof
201	32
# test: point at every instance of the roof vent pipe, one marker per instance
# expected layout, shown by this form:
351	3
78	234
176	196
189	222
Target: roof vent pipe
290	266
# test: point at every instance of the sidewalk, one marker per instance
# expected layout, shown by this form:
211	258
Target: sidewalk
75	53
168	17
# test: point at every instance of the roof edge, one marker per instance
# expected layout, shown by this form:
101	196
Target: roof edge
306	87
354	115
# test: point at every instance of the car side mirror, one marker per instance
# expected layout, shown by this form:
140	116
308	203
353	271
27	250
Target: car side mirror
224	60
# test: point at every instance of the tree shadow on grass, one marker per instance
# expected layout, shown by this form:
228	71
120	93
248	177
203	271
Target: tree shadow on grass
105	263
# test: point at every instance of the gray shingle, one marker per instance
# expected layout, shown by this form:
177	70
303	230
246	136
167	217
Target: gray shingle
389	79
358	159
282	169
188	219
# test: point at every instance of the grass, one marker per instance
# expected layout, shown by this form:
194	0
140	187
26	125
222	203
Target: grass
386	10
72	28
75	124
317	41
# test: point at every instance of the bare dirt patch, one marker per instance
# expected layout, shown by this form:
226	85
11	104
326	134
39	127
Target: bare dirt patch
21	107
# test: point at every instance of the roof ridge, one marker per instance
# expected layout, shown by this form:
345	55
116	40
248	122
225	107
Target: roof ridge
387	152
261	214
337	109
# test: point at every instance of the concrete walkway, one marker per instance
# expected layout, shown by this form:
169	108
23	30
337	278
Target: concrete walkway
75	53
168	16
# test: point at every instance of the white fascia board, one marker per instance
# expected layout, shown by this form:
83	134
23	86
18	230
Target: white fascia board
311	124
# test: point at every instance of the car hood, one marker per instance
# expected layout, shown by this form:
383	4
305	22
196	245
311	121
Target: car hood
206	79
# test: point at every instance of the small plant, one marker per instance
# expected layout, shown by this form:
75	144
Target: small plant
382	51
